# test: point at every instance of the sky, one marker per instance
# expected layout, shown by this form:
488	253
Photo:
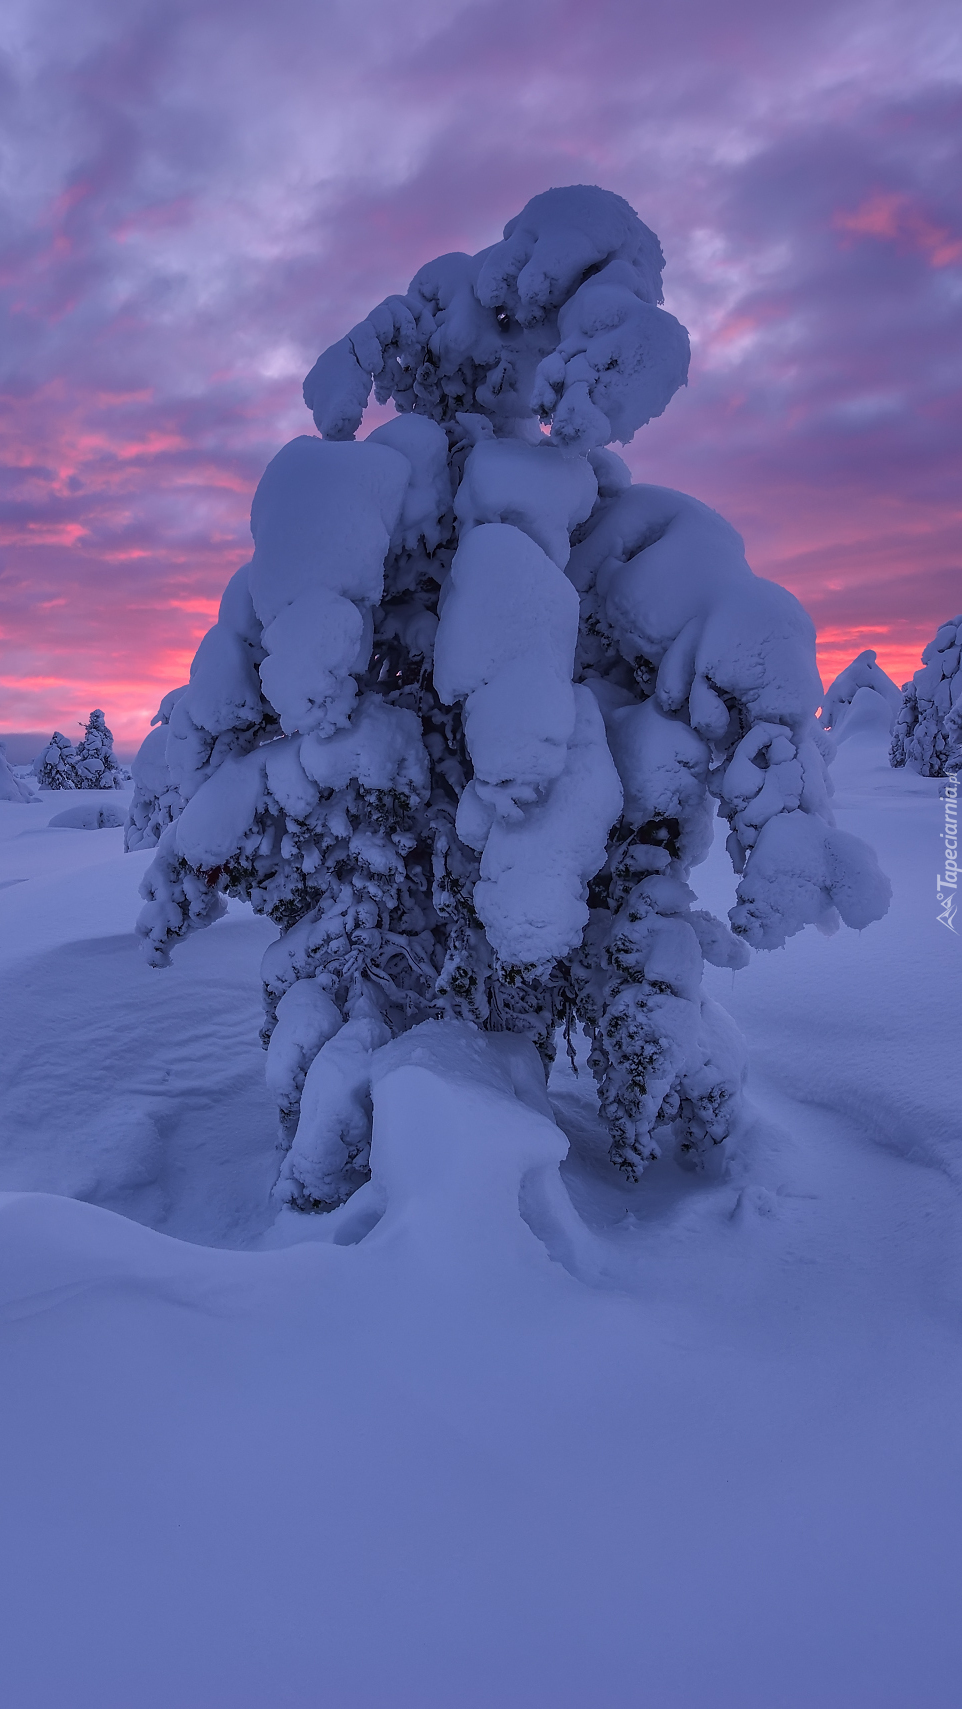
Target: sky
197	196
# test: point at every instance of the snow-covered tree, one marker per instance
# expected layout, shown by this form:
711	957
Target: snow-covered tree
460	722
863	672
54	768
156	801
12	787
928	730
89	765
94	761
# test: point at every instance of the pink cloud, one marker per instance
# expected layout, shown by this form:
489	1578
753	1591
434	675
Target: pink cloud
893	215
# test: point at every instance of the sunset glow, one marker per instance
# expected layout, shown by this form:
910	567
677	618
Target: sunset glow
188	229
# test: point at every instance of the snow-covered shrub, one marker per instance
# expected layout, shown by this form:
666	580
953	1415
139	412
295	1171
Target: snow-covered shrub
928	730
156	801
54	768
12	787
863	672
459	724
94	761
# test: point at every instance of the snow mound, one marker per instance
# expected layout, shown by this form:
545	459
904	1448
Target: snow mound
89	817
869	718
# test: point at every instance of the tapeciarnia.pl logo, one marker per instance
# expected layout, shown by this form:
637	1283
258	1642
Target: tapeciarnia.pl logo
947	882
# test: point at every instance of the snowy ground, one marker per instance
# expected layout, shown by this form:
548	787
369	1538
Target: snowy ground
695	1446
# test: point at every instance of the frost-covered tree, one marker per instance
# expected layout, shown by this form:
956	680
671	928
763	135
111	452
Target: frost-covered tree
156	801
461	720
863	672
928	730
54	768
94	761
90	765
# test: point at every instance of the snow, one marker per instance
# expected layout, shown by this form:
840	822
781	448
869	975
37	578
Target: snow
869	712
673	585
425	514
506	643
329	1157
155	800
88	817
535	869
544	491
488	1433
322	521
560	318
620	362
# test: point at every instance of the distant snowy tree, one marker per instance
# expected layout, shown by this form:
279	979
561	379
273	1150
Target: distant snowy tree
94	762
863	672
12	787
928	730
91	765
156	801
459	724
54	768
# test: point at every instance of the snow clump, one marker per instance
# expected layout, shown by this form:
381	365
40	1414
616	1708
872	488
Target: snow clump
156	800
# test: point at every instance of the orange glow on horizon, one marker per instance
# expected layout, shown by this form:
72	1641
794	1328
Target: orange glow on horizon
47	700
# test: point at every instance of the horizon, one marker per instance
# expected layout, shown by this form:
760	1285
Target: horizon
192	222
